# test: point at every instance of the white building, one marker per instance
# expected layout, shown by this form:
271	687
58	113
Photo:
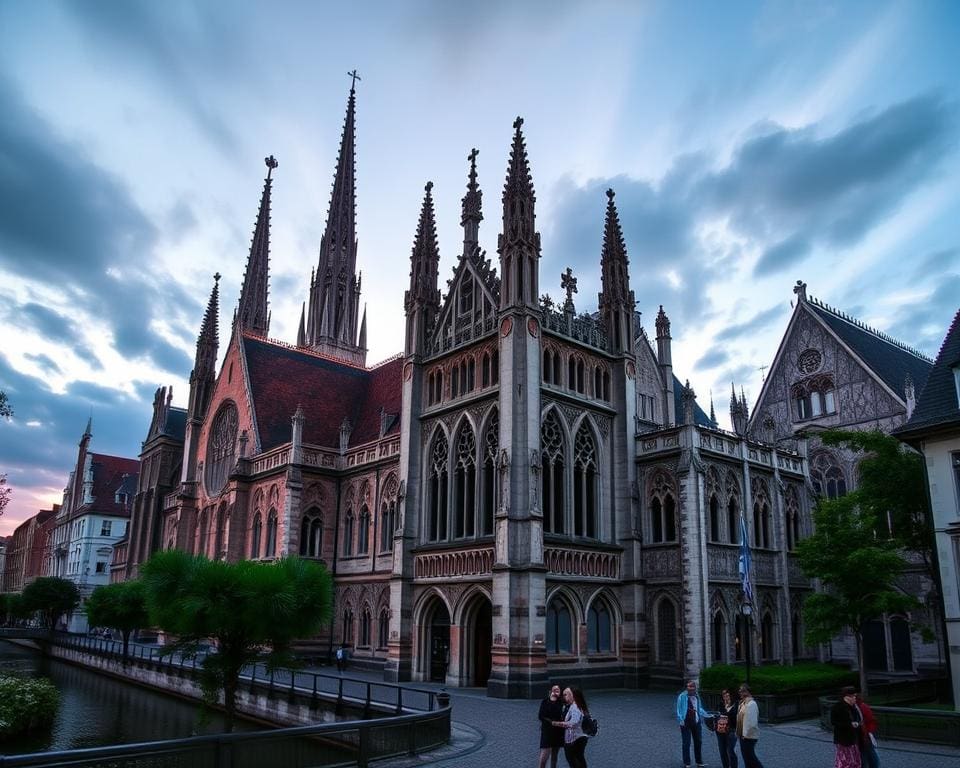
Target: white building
94	517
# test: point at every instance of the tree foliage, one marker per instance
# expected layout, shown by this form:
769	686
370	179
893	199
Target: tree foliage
5	492
250	610
50	597
857	571
26	703
6	410
12	608
121	606
892	487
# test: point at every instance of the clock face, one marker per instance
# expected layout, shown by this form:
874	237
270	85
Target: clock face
810	361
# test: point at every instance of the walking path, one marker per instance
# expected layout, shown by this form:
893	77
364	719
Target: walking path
637	729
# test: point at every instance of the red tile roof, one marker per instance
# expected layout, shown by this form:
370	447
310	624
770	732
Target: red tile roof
108	472
284	377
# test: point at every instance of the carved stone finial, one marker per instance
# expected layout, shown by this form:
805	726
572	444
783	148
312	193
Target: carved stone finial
801	290
518	122
216	277
610	194
472	157
428	186
569	283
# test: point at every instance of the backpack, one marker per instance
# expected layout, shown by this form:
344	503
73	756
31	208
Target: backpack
590	725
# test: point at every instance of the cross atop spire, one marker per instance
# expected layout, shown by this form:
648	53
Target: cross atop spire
252	312
471	203
519	242
568	283
353	80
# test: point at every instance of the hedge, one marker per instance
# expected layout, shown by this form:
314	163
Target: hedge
26	703
774	679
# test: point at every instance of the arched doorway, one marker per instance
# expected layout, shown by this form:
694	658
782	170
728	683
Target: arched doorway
476	635
875	646
435	653
900	645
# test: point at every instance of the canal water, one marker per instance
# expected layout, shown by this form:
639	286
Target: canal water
96	710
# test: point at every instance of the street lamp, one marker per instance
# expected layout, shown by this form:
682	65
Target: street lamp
746	608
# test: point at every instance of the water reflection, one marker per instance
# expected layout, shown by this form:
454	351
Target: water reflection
96	710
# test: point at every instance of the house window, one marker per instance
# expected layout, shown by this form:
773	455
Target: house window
101	567
105	527
559	628
311	534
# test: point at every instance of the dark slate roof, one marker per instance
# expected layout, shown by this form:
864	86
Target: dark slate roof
176	424
937	406
699	417
887	358
284	377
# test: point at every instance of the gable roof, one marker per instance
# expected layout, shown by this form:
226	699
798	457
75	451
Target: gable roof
699	416
110	474
888	358
938	406
283	377
175	425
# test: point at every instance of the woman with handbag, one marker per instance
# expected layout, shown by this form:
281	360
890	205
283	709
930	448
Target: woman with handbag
575	740
725	726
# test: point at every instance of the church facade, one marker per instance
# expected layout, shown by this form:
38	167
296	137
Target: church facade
523	493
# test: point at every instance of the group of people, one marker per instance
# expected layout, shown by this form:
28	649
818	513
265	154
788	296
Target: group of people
738	721
561	726
854	731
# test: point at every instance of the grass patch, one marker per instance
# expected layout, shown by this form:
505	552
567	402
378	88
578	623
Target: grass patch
26	703
799	678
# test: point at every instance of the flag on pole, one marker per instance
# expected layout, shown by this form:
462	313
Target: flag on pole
744	565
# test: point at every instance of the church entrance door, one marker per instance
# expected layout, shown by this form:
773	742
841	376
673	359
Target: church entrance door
478	633
438	643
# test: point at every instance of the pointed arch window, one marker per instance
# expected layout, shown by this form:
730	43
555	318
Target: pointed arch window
827	476
719	638
598	383
733	521
255	536
365	628
271	550
437	507
383	628
571	373
767	649
491	446
599	628
714	518
311	533
485	370
552	478
581	386
388	513
547	366
220	543
495	367
221	448
663	510
363	531
559	627
584	484
666	632
346	627
348	533
204	527
793	517
464	483
762	518
455	381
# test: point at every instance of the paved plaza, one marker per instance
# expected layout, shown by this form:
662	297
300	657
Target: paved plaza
637	728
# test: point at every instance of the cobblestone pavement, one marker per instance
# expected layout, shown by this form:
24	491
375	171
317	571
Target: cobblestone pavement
637	728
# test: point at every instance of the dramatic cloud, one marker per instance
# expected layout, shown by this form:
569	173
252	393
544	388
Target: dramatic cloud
64	221
758	322
713	358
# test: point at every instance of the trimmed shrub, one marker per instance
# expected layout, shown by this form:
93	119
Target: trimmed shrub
26	703
808	676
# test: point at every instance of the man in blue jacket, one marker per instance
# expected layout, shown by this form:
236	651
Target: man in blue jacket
690	714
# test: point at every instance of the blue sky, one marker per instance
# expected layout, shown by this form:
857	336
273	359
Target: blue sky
750	145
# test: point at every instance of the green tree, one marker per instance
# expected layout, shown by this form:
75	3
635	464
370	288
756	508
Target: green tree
857	570
52	598
121	606
249	609
892	487
6	410
5	492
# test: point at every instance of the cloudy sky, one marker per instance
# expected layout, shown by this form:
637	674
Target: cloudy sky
750	144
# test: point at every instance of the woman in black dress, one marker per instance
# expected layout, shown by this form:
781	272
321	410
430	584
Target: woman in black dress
726	728
551	737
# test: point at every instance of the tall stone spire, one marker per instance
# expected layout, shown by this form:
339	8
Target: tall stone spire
334	303
616	300
519	243
471	205
204	371
422	299
253	314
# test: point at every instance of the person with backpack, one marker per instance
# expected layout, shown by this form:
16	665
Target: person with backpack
575	740
341	658
551	737
690	715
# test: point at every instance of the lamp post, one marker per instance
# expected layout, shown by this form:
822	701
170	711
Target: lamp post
747	610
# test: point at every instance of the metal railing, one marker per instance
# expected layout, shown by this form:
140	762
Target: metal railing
350	743
337	688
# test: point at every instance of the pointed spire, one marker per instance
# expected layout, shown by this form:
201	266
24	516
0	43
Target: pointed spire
331	322
425	255
362	341
471	205
88	432
713	413
662	324
205	361
302	331
518	194
733	398
613	258
252	311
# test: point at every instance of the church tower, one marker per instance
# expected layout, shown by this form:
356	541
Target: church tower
422	299
253	313
519	586
202	380
333	307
